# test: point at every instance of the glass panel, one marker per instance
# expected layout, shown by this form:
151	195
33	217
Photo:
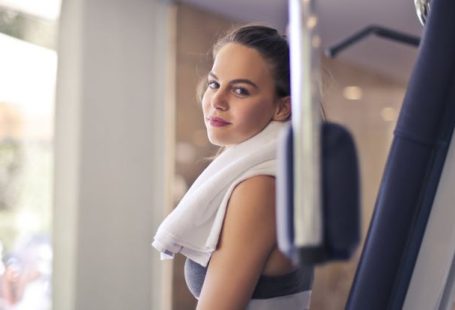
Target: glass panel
28	65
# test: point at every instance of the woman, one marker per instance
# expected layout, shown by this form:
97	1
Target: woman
225	224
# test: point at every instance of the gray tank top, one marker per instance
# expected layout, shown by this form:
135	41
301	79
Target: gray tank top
267	287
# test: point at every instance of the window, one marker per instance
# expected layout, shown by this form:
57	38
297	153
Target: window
28	62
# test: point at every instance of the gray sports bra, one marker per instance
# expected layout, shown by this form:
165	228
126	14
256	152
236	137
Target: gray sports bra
267	287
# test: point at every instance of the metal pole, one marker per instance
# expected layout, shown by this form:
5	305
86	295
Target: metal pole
422	10
306	123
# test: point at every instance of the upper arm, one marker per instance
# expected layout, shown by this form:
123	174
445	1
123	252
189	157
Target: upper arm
247	238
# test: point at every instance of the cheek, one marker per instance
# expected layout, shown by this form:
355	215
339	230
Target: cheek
254	118
205	103
259	112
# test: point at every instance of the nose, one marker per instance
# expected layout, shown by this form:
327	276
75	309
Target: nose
219	100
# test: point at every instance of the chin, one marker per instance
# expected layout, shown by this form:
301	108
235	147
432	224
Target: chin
218	141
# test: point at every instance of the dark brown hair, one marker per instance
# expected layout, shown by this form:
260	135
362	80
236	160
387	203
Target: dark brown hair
270	44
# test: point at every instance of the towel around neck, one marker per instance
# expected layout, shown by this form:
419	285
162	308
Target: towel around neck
194	226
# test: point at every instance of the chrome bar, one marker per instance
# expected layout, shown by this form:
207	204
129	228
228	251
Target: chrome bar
422	10
306	122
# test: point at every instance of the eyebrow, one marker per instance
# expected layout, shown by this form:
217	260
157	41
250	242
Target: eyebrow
246	81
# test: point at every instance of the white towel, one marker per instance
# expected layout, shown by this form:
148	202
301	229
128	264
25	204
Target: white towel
194	226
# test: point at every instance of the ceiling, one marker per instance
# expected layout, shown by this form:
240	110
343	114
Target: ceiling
339	19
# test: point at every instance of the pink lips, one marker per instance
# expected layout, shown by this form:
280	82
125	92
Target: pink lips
217	121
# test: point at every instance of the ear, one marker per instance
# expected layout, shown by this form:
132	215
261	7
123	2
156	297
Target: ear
283	109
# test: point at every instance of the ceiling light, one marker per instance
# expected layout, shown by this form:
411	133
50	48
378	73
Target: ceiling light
352	93
312	22
388	114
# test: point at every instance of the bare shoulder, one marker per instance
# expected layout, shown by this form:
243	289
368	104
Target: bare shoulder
246	241
251	210
259	182
255	191
252	203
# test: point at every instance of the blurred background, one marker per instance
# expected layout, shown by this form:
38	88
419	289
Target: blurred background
101	134
28	67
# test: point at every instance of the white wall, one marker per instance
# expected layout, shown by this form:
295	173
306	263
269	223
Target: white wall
114	140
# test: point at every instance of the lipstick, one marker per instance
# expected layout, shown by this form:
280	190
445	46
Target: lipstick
217	121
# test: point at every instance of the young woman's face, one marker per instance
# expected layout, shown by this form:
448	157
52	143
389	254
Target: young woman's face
240	98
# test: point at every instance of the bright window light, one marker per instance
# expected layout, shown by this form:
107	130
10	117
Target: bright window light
48	9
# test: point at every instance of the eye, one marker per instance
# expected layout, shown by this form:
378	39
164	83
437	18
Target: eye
241	91
213	84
